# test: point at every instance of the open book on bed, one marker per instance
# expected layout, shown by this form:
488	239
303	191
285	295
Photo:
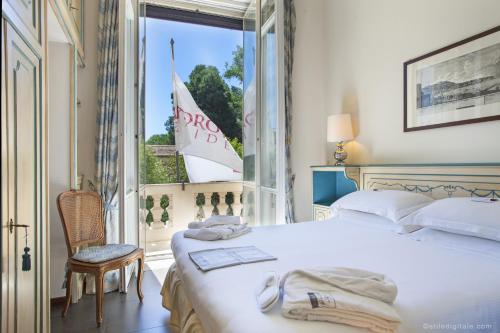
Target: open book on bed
207	260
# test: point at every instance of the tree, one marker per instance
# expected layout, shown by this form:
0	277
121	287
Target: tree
152	170
236	71
158	139
214	97
236	68
237	146
170	127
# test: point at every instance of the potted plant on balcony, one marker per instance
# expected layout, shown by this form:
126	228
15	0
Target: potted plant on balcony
164	202
229	199
150	203
200	202
215	201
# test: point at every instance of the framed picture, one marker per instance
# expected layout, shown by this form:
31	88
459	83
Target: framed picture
455	85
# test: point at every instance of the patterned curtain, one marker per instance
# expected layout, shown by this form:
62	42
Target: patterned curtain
107	123
289	24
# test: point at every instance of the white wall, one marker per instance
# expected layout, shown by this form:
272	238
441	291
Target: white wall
368	41
309	92
59	157
366	44
87	95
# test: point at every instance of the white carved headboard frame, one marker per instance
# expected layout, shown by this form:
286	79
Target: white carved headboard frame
436	181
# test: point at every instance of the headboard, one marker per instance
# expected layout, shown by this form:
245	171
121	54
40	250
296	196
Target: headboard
436	181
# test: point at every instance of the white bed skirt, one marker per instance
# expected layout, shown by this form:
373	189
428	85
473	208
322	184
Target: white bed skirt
183	319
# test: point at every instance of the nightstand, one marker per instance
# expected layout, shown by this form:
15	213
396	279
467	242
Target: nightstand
329	183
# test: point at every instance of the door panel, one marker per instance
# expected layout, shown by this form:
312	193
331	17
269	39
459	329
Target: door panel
128	121
28	11
263	117
269	107
141	115
23	106
250	82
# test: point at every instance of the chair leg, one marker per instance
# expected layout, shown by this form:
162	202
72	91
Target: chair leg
99	294
140	263
69	280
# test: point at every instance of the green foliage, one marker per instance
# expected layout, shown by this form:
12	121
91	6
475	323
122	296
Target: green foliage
200	199
160	139
229	199
237	146
164	217
236	68
154	170
215	200
214	97
171	167
164	201
236	102
150	202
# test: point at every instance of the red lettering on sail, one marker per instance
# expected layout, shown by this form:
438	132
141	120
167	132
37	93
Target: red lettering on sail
216	130
211	138
198	120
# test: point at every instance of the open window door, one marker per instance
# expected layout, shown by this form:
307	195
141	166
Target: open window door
128	125
263	115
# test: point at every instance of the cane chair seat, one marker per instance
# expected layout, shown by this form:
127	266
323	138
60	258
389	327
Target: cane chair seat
95	254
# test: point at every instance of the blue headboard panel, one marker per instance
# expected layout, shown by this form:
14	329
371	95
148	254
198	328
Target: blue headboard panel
331	184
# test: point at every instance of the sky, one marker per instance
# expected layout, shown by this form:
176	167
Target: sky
194	44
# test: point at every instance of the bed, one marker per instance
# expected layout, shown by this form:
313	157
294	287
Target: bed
439	288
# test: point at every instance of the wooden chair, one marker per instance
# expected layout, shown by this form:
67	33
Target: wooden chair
82	220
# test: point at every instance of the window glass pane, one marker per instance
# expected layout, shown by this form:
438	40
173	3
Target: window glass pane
249	205
267	208
249	94
268	110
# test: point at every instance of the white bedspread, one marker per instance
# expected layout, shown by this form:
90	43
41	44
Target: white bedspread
436	286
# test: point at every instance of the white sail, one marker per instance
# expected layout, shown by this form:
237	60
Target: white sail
208	155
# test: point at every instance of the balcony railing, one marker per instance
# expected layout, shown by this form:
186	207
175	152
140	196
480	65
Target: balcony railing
168	208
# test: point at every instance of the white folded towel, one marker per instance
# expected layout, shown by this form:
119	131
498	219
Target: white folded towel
215	220
340	295
217	232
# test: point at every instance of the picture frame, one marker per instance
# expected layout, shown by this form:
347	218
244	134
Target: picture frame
454	85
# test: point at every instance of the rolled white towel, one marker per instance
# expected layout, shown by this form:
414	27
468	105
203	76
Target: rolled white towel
216	220
218	232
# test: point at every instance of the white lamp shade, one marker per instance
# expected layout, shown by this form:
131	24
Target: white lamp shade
339	128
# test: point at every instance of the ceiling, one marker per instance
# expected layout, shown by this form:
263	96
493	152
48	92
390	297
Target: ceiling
230	8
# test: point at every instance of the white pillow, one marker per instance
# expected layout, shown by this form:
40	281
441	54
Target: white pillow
367	220
475	245
463	216
391	204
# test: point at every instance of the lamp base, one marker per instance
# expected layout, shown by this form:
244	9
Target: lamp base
340	154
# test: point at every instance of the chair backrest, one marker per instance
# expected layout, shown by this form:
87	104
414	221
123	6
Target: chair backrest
81	217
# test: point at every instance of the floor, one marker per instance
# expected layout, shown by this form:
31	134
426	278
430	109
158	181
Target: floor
122	312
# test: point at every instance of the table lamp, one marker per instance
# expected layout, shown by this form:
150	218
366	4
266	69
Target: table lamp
339	130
